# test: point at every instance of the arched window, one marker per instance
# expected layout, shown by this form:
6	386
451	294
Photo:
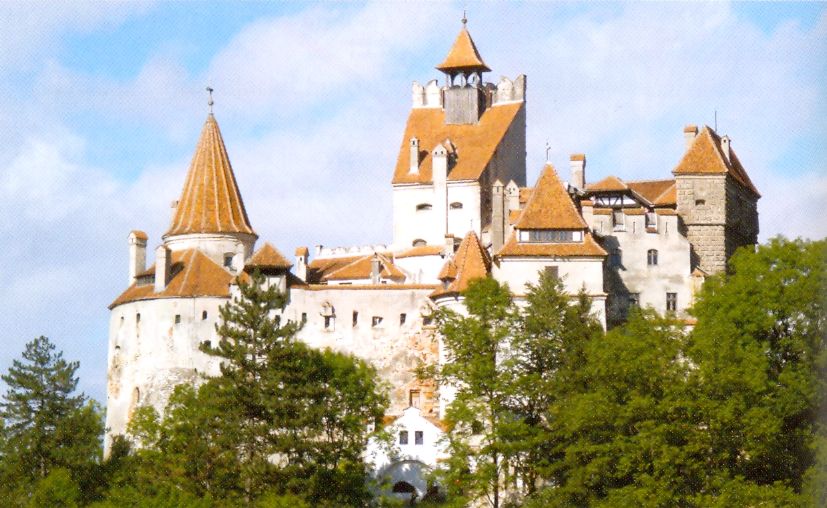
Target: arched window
419	242
423	206
652	257
456	205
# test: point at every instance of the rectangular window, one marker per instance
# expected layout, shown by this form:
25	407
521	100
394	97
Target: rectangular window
652	257
376	321
228	261
671	302
552	272
304	317
651	220
177	319
419	437
551	236
403	437
402	318
413	398
355	318
618	221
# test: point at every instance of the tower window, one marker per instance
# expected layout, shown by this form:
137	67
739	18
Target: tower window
178	319
304	317
652	257
456	205
618	221
137	318
402	318
203	315
376	321
355	318
419	437
228	260
403	437
423	206
700	202
671	302
329	323
419	242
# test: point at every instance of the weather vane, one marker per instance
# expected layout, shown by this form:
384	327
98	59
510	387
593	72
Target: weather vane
464	18
210	101
548	149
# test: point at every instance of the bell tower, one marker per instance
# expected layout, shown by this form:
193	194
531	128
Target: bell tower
464	95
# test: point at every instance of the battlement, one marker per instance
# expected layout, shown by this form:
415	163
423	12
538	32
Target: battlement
342	252
431	95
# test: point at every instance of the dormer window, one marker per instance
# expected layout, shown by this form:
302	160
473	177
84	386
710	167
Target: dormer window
421	207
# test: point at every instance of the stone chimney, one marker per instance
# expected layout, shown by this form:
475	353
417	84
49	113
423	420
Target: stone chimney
137	254
577	162
689	134
414	167
301	263
163	267
497	216
375	267
725	147
449	245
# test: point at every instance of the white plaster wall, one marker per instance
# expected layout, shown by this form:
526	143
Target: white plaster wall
155	354
215	246
422	269
394	349
410	224
461	221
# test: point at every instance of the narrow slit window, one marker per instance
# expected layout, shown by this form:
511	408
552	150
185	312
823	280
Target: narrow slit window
355	318
652	257
203	315
402	318
671	302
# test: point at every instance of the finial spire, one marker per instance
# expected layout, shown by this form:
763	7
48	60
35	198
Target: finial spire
210	101
464	18
548	149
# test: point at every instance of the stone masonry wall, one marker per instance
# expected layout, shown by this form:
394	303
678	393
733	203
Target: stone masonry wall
741	217
702	206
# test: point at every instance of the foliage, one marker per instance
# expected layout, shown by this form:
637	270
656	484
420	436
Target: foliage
47	428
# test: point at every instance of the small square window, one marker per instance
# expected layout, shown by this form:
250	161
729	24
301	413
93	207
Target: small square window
402	318
177	319
403	437
419	437
228	260
376	321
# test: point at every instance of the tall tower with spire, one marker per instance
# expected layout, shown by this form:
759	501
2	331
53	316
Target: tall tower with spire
158	323
460	138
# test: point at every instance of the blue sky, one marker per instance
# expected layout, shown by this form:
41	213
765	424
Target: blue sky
101	105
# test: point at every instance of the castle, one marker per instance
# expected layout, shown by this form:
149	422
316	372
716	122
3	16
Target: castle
461	210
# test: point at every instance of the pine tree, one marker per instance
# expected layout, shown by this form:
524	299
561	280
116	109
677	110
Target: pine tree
46	425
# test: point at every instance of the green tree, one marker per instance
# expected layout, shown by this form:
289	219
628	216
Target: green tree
476	352
46	425
759	347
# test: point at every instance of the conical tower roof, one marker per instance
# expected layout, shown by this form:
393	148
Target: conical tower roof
471	261
463	55
210	201
550	206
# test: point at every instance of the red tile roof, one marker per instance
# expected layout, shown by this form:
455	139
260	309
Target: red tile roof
550	206
463	55
588	248
421	250
610	183
210	201
268	257
352	267
475	143
651	190
193	274
470	261
705	156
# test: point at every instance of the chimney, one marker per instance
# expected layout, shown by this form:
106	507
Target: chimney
725	147
301	263
689	133
577	163
374	269
137	254
449	245
497	216
163	265
414	168
439	166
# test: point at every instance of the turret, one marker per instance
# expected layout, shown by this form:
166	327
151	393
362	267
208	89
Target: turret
464	96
